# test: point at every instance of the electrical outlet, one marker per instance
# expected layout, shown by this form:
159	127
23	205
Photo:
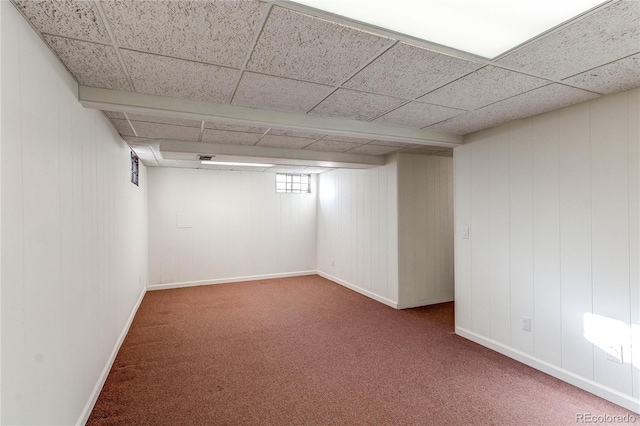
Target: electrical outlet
333	263
614	353
526	323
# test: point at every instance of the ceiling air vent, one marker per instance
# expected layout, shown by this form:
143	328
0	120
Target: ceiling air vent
205	157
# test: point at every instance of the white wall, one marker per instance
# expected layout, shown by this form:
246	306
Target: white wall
552	204
358	230
425	229
74	236
234	225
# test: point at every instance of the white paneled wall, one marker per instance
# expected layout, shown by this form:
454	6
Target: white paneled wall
358	230
552	204
209	226
74	237
425	230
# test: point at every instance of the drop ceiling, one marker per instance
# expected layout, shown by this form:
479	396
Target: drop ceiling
270	79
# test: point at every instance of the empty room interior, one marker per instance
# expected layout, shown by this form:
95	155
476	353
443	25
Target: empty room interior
272	212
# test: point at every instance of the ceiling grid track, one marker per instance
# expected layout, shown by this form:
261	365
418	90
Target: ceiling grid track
115	46
133	129
350	76
263	22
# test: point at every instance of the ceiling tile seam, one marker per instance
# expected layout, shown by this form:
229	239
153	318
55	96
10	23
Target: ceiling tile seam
129	49
379	31
201	131
561	26
391	110
448	83
263	135
102	15
314	141
596	67
130	124
252	47
357	71
75	38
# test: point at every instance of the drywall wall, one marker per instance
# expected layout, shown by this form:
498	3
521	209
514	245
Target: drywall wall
551	203
208	226
74	236
425	230
358	230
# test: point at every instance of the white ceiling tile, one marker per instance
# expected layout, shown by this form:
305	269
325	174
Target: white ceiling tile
282	94
443	153
216	32
294	133
483	87
114	114
305	48
181	164
234	127
227	137
373	150
75	19
234	168
597	39
535	102
611	78
419	151
166	131
317	170
165	120
357	105
160	75
346	139
91	64
133	140
417	114
331	146
122	127
409	71
395	144
284	142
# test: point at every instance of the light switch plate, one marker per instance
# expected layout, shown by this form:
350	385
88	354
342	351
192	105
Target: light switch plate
465	233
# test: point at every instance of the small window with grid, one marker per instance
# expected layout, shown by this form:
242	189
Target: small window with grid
293	183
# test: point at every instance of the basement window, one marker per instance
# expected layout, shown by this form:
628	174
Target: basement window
293	183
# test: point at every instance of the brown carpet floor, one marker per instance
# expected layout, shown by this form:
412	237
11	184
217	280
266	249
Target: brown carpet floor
305	350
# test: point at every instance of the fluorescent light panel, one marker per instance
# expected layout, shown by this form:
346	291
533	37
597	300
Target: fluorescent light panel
483	27
233	163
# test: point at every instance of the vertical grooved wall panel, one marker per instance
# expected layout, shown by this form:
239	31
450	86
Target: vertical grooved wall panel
423	278
74	236
236	226
357	229
567	183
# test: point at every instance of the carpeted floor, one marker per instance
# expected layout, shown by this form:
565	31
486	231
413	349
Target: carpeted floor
305	350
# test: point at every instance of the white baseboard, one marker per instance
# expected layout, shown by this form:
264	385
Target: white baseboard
153	287
588	385
357	289
84	416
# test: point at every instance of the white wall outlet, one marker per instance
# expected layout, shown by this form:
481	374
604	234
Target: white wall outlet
333	263
465	233
526	323
614	353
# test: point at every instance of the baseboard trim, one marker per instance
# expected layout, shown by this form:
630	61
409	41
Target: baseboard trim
84	416
154	287
360	290
588	385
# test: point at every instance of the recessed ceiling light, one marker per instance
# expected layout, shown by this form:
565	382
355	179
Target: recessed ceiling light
483	27
233	163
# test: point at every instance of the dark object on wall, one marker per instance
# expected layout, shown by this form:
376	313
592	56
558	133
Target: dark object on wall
134	168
